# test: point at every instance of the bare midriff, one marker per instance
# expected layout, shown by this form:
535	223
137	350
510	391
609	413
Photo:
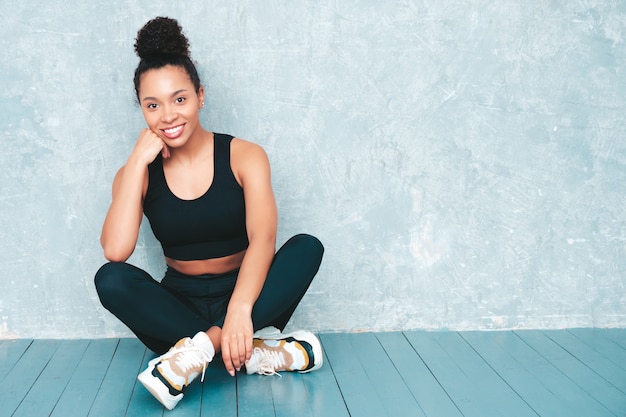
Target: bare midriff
207	266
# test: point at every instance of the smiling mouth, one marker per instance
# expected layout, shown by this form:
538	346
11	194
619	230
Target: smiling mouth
173	132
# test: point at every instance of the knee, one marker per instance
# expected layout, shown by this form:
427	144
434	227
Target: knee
309	244
106	274
109	281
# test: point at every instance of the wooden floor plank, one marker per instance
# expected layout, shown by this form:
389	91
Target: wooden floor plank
78	396
142	403
324	395
191	404
589	356
616	335
10	352
541	385
19	380
599	341
219	391
498	393
45	392
585	389
394	395
254	396
290	395
476	389
545	373
119	381
430	395
359	395
447	373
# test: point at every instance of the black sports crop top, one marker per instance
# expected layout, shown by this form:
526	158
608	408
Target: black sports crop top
211	226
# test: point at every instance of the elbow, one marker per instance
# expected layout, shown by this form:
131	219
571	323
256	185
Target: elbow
115	253
115	256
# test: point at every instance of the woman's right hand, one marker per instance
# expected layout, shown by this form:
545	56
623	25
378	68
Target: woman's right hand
148	146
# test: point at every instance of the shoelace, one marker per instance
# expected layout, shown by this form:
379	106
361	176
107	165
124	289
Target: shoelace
267	361
190	356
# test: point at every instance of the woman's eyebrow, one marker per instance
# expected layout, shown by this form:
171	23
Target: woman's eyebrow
174	94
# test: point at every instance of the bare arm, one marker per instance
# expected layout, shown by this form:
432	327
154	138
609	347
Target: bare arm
253	170
121	225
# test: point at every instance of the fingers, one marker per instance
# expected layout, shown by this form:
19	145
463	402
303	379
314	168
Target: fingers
165	152
236	350
249	346
236	340
148	146
233	353
228	363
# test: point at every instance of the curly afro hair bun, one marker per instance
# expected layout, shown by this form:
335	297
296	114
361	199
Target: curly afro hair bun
161	36
161	42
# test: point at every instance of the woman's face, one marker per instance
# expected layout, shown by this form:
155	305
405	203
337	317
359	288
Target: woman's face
170	104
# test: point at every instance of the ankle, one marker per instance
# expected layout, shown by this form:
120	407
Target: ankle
215	334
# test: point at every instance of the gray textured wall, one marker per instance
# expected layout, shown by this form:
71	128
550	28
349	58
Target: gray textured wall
463	161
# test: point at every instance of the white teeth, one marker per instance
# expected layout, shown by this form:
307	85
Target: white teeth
173	130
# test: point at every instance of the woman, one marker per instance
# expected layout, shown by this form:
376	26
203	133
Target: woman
209	200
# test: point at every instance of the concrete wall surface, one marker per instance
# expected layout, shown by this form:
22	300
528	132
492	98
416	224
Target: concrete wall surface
463	162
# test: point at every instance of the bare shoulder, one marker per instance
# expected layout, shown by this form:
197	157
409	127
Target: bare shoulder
241	148
244	153
248	159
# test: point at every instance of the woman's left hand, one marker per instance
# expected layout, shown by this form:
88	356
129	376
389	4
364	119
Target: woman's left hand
236	343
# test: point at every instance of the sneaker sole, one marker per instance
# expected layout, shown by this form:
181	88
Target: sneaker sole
158	390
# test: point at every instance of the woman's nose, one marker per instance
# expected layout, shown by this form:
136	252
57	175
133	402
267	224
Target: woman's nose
168	115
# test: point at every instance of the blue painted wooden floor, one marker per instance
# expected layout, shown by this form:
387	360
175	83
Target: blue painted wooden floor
577	372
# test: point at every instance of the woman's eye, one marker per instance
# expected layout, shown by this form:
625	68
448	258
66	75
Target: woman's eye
180	99
151	106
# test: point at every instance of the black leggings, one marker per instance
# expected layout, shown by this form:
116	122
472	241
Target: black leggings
181	305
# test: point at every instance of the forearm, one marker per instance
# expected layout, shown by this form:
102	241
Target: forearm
121	225
252	273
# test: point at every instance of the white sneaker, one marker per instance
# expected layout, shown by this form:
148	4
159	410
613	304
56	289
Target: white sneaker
299	351
167	376
267	333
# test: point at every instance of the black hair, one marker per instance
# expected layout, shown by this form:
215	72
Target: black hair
159	43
